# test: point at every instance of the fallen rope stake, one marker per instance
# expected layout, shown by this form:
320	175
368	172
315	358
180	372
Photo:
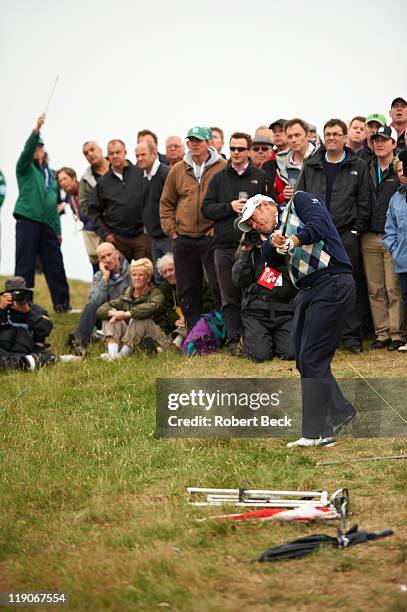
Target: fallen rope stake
303	514
378	458
299	506
305	546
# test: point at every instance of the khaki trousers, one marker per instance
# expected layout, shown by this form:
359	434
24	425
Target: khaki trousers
92	241
383	287
132	333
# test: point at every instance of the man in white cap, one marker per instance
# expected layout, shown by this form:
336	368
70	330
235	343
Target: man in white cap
321	270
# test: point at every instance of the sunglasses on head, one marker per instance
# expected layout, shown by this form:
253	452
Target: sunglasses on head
263	149
240	149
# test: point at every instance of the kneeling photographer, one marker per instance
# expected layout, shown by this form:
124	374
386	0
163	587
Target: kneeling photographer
267	306
24	327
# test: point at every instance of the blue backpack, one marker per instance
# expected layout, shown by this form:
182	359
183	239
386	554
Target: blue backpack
208	334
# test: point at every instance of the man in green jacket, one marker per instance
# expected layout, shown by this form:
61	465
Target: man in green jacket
38	228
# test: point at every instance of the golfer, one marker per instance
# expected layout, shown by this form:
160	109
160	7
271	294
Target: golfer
320	269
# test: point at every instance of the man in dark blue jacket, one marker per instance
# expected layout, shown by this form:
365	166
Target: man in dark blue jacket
321	270
154	176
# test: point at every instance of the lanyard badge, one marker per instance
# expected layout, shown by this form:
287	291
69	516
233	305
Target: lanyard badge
270	278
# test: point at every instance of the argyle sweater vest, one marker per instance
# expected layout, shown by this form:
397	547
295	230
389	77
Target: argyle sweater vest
307	258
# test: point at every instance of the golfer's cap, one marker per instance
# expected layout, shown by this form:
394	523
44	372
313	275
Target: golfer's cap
378	117
399	99
387	132
249	208
202	133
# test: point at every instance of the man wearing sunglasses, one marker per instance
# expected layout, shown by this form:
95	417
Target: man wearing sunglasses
223	203
262	150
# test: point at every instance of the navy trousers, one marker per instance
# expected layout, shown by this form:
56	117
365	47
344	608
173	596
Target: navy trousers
87	322
192	256
321	312
34	238
230	294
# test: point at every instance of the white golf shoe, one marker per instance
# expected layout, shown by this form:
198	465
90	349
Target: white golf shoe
308	442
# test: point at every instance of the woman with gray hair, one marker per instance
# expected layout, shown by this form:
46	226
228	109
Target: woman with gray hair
172	320
130	320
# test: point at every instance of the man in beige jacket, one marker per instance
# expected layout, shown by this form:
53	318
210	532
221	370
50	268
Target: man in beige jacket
182	219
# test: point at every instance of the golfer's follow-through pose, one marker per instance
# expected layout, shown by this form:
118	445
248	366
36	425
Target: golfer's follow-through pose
320	268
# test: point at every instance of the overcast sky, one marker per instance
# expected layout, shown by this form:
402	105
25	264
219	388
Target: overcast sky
167	66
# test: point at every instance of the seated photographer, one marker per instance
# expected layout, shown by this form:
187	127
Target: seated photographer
24	327
130	319
267	305
172	320
109	283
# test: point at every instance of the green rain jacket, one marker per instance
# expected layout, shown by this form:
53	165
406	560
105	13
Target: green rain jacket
38	189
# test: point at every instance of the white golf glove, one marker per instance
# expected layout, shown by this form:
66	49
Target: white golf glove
287	248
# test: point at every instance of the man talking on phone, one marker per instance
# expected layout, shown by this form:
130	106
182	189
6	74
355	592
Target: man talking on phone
111	281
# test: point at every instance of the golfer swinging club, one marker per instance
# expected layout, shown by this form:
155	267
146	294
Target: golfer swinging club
320	269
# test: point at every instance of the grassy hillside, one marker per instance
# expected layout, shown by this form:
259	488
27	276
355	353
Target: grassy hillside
91	503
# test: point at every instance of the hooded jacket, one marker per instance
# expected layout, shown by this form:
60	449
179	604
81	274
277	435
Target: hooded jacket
380	194
182	196
115	205
349	205
225	187
284	162
395	230
38	189
103	290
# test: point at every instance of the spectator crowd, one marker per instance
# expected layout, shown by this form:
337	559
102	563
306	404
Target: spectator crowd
165	244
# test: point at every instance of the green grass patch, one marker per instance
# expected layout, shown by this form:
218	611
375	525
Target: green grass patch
91	503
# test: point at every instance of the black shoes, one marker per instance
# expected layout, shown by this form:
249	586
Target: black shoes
76	345
149	346
355	349
395	345
380	344
232	347
391	345
62	308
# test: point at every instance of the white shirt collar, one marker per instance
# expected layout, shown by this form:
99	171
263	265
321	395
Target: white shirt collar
153	171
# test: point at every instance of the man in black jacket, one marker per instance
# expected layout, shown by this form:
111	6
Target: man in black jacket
224	201
24	327
154	175
338	177
383	283
267	308
116	205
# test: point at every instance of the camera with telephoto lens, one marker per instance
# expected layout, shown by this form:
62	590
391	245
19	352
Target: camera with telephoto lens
21	296
250	238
